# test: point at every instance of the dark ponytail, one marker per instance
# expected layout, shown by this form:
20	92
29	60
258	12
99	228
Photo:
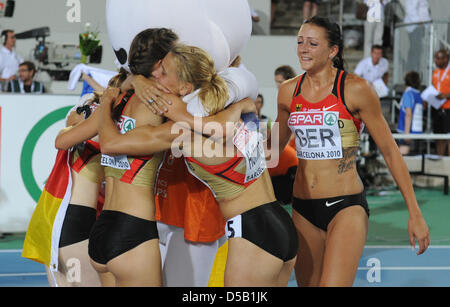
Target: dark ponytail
334	37
147	48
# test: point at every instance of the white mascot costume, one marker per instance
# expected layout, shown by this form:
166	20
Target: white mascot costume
220	27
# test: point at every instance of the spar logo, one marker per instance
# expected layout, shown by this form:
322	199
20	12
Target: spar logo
126	124
330	119
26	156
306	119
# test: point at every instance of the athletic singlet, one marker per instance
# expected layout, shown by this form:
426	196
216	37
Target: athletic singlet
140	171
85	161
232	177
225	180
324	128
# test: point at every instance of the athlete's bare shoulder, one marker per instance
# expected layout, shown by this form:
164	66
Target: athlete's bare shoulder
355	83
142	113
358	91
287	90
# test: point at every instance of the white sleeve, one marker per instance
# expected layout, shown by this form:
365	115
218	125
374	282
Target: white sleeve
1	64
83	100
385	66
74	76
241	84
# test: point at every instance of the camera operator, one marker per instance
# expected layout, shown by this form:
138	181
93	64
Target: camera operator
9	59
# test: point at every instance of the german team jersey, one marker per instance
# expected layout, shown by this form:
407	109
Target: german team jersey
85	160
230	178
140	171
322	129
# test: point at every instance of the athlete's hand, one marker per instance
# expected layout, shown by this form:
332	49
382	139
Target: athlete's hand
418	229
74	118
247	106
151	93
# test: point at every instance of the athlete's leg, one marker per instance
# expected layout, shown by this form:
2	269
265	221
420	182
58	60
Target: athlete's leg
107	279
311	248
346	237
286	271
74	264
250	266
140	266
74	268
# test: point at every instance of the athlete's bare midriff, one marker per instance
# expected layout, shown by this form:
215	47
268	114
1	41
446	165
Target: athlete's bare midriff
258	193
328	178
130	199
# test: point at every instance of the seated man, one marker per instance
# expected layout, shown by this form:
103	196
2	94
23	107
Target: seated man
374	67
25	83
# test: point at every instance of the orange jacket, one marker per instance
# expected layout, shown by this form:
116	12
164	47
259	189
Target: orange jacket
183	201
442	84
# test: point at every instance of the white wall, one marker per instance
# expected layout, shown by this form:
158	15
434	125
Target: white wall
262	55
27	152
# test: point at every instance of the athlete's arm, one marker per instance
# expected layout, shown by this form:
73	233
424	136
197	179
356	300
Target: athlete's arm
284	111
174	108
369	111
140	141
84	130
74	118
222	123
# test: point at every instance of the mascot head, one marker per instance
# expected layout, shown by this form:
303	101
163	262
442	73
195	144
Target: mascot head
221	27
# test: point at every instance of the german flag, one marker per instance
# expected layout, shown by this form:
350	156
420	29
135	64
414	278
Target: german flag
44	230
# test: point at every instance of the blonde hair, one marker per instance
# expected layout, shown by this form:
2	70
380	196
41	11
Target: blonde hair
196	66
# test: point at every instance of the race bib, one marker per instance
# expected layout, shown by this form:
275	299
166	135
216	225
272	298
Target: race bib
120	162
233	227
249	142
317	135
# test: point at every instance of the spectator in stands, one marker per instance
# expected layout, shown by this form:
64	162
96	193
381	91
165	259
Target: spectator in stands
9	60
374	67
259	103
283	73
254	14
411	111
25	84
441	117
374	24
416	11
310	8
